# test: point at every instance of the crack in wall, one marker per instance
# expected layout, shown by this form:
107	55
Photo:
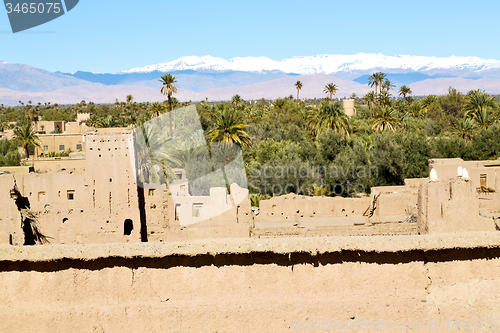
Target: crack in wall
426	262
133	276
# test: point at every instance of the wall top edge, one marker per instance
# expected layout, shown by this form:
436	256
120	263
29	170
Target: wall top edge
235	246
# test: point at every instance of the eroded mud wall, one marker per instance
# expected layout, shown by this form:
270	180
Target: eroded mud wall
252	292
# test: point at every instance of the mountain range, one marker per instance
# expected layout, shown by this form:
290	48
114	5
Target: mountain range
250	77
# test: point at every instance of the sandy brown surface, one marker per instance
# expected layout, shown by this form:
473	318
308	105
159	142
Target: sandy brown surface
254	285
311	245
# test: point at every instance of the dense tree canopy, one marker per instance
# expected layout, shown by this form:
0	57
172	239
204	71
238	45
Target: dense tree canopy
311	147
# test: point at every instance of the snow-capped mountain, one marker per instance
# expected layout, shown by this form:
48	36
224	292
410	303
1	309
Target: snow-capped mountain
325	64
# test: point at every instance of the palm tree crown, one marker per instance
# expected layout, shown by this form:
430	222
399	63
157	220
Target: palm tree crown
376	80
404	91
465	128
229	129
27	137
168	88
330	116
386	119
298	85
331	89
157	109
130	98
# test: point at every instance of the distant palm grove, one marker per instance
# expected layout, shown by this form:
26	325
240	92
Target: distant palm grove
310	146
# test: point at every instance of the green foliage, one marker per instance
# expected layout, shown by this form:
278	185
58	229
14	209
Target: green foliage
256	198
296	146
61	154
9	155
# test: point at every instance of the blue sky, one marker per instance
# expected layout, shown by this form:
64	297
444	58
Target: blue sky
110	35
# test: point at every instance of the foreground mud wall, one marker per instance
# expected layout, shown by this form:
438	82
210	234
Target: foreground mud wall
236	285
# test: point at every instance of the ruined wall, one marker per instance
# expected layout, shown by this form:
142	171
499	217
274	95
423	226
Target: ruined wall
394	204
450	206
111	184
291	205
100	204
16	169
88	205
446	168
252	291
43	165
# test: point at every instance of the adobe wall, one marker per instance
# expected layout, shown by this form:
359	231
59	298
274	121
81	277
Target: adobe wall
59	143
291	205
7	134
446	168
93	205
349	109
252	285
43	165
450	206
80	205
16	169
394	204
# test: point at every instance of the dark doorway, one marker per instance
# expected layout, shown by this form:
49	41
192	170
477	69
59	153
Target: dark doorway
128	226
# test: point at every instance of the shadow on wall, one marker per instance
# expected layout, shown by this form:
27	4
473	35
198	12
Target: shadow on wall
29	222
250	259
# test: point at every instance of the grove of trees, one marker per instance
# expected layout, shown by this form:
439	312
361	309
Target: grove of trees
310	146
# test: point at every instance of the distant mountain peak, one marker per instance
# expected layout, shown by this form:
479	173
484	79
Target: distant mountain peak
324	64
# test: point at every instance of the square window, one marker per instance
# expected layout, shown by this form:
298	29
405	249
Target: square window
196	209
78	147
482	180
45	148
71	195
61	147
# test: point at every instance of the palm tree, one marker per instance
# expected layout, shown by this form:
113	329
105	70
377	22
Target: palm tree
157	108
465	128
280	104
26	137
416	109
376	80
369	99
212	112
387	85
386	119
331	89
404	91
152	156
236	99
385	97
483	117
107	122
476	100
298	85
427	101
130	98
330	116
318	191
168	88
229	131
175	102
